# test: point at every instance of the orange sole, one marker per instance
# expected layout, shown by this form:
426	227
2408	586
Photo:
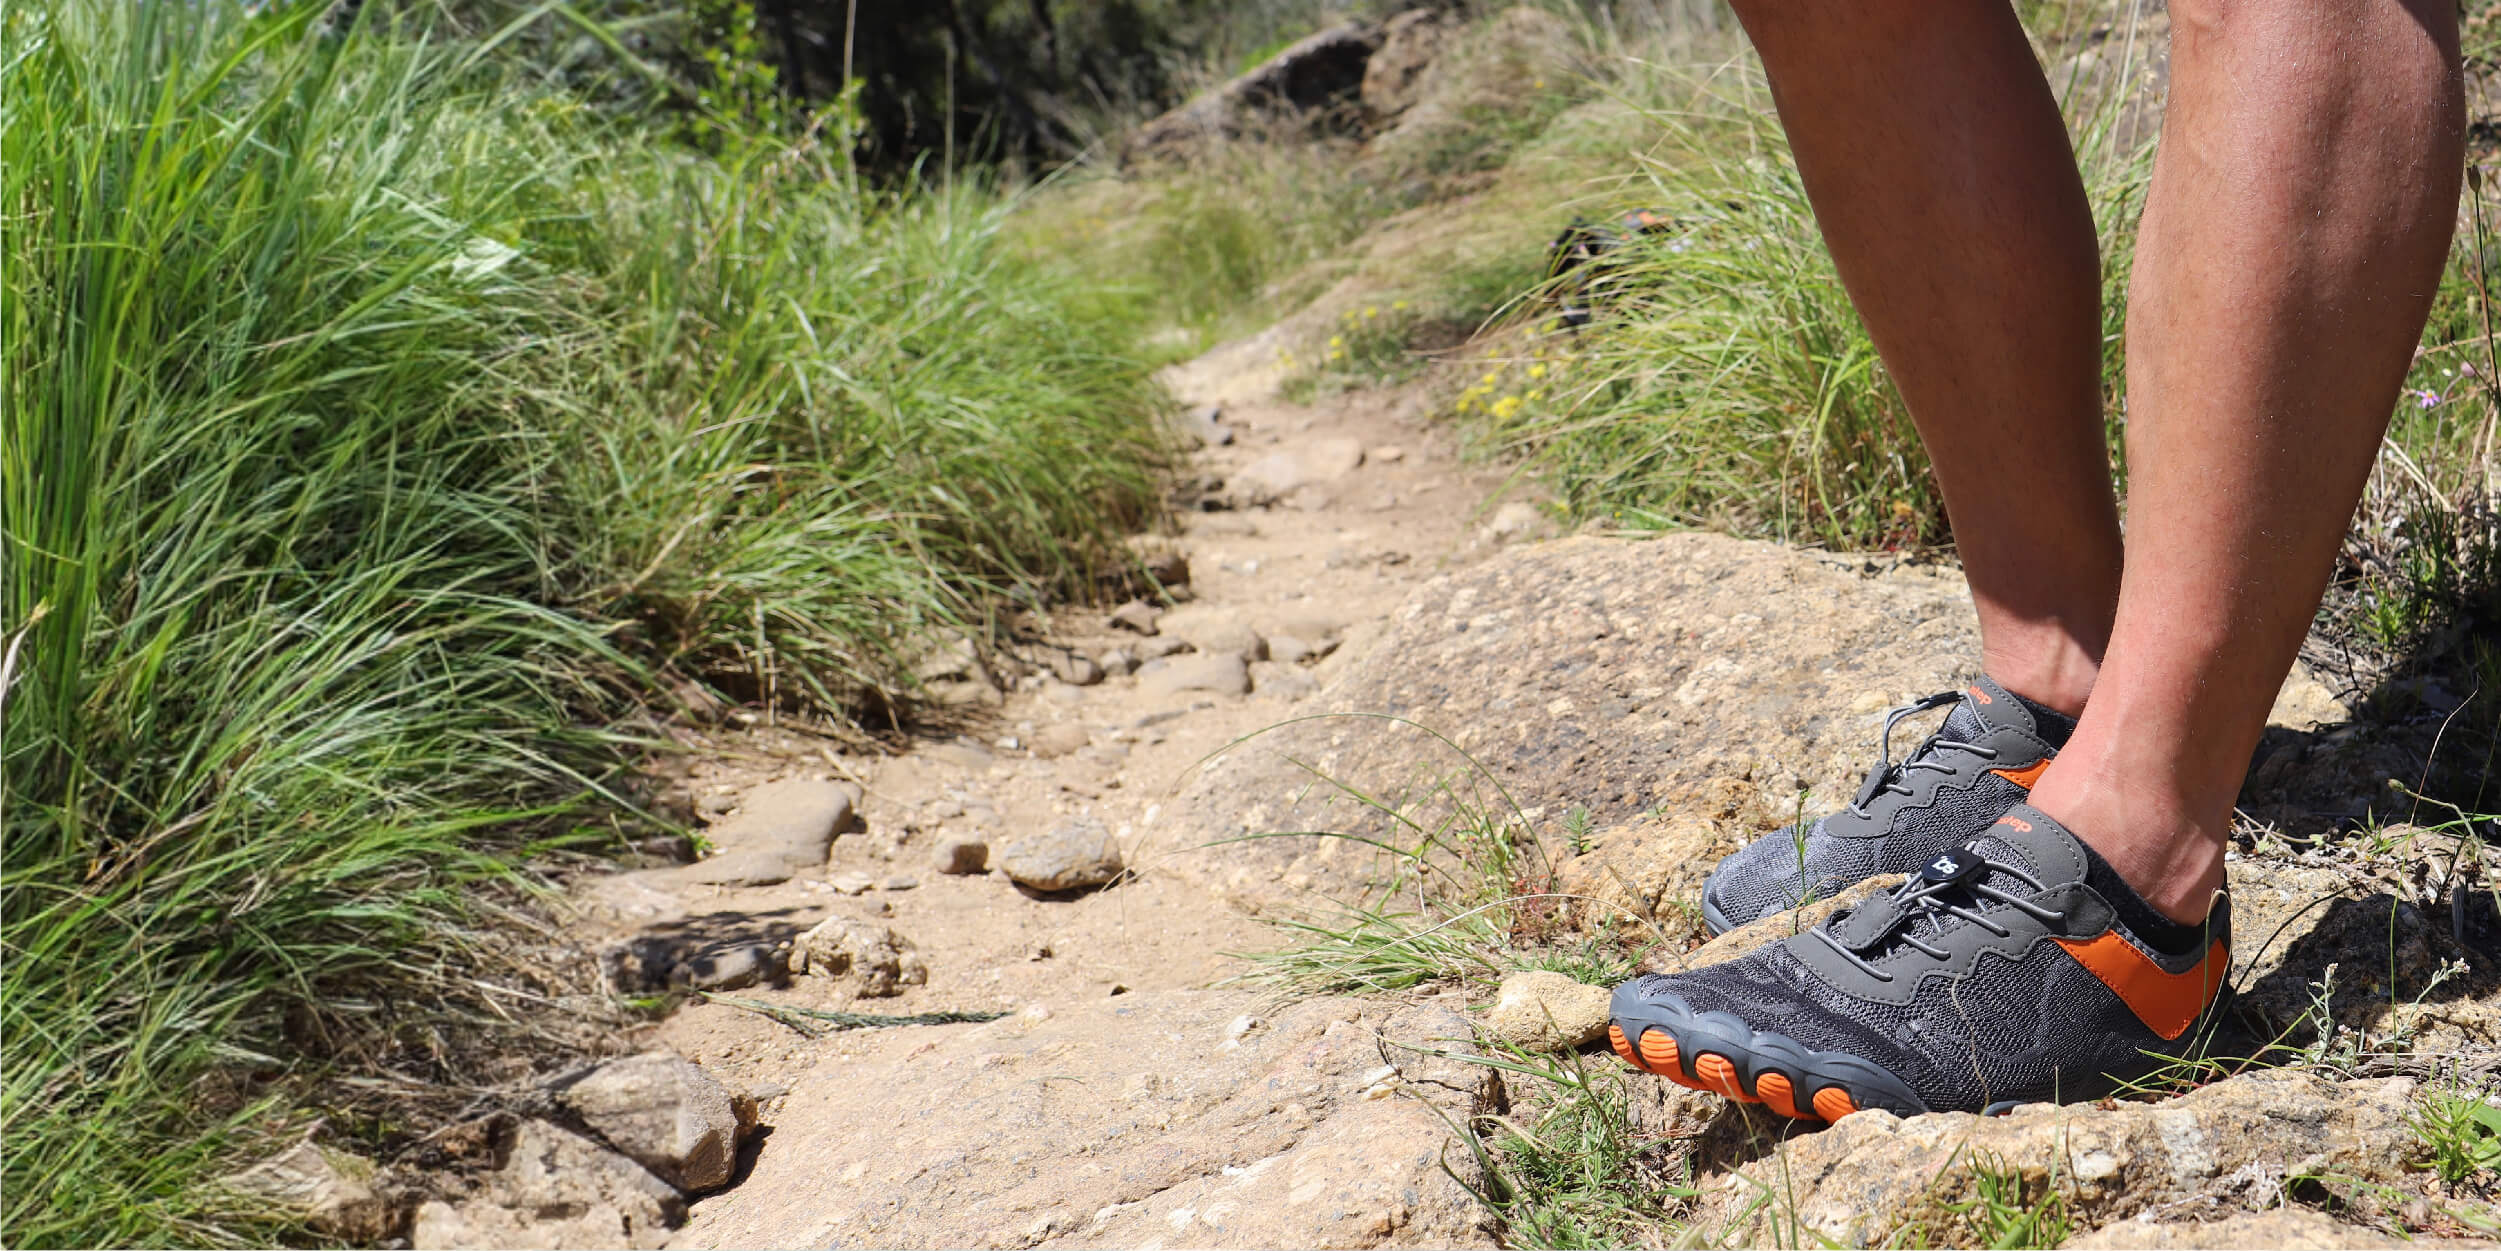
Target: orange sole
1717	1074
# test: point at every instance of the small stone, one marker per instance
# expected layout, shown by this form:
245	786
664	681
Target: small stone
852	882
332	1191
1159	648
727	968
1059	739
667	848
1387	454
1075	670
962	855
1241	1027
901	881
1215	631
1073	856
1169	566
1514	522
1325	459
556	1189
1136	616
1117	662
1206	424
1282	681
1223	674
874	960
664	1113
1546	1011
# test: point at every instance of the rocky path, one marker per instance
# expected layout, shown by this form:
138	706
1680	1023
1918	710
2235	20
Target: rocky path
1057	897
1128	1096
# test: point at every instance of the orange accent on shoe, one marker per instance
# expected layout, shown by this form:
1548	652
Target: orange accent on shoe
1832	1103
1981	695
2015	823
1659	1048
1624	1047
2167	1002
2026	776
1719	1076
1778	1095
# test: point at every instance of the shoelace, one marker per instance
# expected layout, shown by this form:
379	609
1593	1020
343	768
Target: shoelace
1887	777
1921	899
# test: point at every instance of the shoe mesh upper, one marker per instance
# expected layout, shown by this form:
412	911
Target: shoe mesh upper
1768	876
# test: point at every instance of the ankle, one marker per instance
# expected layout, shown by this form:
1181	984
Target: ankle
2169	853
2055	677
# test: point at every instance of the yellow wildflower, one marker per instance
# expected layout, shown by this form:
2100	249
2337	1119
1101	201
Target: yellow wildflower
1371	311
1537	371
1505	406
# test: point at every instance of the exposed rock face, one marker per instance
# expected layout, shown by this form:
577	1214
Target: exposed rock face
1073	856
871	960
1313	77
1542	1011
2285	1229
1616	676
1296	1132
2218	1150
1409	42
554	1189
666	1114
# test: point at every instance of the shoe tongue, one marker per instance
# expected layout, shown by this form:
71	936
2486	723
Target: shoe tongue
2023	839
1988	706
2030	840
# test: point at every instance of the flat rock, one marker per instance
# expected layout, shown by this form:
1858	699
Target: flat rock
2218	1150
555	1189
666	1114
1059	739
2284	1229
1544	1011
867	960
1216	674
726	968
779	829
1214	630
1079	1130
1072	856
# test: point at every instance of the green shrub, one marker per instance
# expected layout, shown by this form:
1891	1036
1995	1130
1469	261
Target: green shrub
374	426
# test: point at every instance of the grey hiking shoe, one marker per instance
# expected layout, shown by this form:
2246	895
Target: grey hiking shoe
2016	969
1980	763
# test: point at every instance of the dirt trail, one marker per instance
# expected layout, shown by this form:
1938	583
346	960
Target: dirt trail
1130	1095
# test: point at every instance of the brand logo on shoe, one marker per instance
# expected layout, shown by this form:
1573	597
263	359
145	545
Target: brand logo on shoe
2167	1002
1981	695
2016	823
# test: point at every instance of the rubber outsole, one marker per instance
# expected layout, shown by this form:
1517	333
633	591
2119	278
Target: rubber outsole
1717	1053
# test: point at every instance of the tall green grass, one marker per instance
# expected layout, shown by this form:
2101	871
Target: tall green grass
376	426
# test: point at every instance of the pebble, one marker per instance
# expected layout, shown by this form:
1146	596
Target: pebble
1073	856
962	855
853	883
1136	616
902	881
1059	739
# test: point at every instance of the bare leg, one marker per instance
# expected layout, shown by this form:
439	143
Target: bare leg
2301	205
1948	195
